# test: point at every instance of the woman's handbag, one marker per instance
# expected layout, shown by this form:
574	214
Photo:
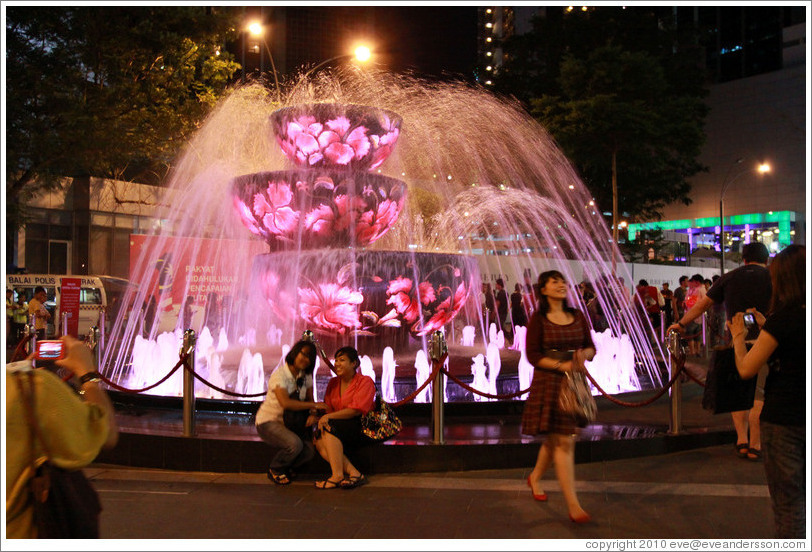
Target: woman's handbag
725	390
380	423
66	506
575	399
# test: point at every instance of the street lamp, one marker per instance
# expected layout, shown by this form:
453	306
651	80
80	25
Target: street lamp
762	168
255	28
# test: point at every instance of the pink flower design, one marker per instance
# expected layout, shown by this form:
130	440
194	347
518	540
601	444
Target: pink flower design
446	311
320	220
384	144
400	296
274	212
374	224
247	218
330	308
309	142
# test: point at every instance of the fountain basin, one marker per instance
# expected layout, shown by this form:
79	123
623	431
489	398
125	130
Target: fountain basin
371	294
317	208
332	135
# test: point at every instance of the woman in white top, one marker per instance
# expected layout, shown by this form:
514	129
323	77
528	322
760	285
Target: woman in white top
290	387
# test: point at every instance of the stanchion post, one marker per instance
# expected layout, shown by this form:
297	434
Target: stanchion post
705	340
437	350
189	384
677	352
102	330
63	319
94	345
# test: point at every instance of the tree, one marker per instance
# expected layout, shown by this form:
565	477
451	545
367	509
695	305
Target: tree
106	91
620	98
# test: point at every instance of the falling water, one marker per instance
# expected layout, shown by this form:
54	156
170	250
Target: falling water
482	177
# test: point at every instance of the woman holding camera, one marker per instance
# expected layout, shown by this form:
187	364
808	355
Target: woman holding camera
782	344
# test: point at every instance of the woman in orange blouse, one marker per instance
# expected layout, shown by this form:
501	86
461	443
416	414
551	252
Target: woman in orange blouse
349	396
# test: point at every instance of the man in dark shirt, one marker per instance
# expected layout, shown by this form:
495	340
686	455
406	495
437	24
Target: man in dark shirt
746	287
502	306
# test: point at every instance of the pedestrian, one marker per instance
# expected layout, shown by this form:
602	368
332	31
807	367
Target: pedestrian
290	388
489	306
36	306
782	341
20	320
349	395
518	311
558	341
9	314
743	288
76	427
501	300
668	304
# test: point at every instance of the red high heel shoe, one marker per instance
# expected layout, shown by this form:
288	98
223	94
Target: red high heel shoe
585	518
540	497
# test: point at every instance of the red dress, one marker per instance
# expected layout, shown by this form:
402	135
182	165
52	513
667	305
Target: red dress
541	414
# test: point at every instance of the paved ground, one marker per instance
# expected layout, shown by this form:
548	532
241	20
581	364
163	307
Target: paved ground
704	493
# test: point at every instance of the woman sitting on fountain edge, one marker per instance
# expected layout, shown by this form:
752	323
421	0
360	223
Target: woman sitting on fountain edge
290	387
349	395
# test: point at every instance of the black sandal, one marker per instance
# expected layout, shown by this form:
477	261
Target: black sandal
326	484
353	481
279	478
753	454
742	449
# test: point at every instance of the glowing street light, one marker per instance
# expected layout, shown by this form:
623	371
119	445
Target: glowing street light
762	168
256	29
362	54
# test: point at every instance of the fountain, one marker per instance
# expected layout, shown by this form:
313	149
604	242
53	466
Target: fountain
366	209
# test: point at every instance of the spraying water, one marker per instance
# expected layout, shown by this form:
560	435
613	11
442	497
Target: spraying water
284	217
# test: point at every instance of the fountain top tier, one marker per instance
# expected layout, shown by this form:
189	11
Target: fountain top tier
334	135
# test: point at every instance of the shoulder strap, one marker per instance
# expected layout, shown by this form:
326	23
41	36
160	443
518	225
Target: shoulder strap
28	397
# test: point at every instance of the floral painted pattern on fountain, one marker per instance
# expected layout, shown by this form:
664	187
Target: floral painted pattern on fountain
311	209
335	135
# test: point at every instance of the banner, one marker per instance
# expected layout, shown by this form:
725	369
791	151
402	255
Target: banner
69	304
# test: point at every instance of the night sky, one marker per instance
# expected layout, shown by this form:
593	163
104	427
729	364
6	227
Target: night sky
430	40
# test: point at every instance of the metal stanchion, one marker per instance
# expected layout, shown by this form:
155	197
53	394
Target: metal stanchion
705	340
93	345
676	359
102	330
63	319
437	350
189	384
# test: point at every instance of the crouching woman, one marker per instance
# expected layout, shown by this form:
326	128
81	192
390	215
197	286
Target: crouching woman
349	396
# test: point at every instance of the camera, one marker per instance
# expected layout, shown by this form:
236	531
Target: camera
50	350
749	320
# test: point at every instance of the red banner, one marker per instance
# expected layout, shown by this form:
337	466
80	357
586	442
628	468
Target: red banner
182	274
69	304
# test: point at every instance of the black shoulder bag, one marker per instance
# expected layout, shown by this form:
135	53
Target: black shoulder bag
296	420
66	506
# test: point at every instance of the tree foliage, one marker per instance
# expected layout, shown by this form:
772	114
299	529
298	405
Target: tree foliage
107	91
614	82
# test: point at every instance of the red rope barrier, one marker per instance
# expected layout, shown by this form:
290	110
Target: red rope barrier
641	403
147	388
416	392
693	377
482	393
220	389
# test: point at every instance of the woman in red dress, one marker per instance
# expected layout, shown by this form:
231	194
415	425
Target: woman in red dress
558	341
348	396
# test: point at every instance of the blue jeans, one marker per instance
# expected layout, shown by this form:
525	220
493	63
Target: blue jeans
785	466
293	452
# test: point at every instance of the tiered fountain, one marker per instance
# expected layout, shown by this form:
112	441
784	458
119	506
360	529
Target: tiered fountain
340	248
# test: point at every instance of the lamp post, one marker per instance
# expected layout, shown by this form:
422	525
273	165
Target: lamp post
762	168
258	30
